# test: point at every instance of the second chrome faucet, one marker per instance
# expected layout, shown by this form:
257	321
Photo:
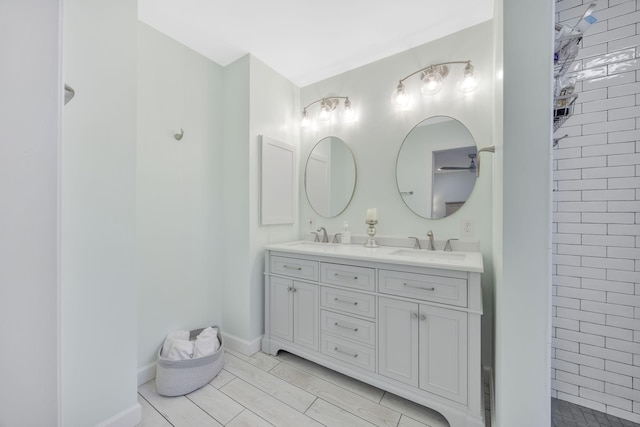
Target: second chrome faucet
431	246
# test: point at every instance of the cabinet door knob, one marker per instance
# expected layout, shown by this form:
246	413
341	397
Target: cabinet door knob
289	289
423	317
414	315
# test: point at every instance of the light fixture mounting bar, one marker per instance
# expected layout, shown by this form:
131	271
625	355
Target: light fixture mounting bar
332	99
432	66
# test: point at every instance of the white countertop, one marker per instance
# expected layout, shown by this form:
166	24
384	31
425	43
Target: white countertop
461	261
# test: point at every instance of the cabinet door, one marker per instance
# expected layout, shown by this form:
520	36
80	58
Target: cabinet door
398	340
281	307
443	352
306	315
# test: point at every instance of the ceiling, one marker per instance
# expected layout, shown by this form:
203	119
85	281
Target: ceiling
309	41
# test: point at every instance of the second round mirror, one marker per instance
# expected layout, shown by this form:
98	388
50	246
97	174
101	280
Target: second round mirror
330	177
436	167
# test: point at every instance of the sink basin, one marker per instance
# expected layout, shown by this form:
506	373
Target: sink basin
436	256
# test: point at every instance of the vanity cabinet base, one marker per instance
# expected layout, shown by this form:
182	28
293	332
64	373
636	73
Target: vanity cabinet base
356	332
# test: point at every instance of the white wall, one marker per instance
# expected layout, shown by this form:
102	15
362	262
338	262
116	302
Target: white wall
258	101
522	238
98	257
236	233
596	345
377	135
30	107
179	192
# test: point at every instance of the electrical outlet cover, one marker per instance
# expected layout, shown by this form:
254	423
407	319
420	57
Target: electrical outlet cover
467	229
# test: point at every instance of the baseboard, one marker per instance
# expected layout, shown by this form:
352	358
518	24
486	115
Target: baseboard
488	371
241	346
146	373
128	418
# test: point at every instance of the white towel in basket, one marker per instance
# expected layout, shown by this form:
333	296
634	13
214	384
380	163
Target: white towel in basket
206	342
177	346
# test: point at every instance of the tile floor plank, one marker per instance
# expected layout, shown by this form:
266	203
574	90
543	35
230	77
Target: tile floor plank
221	379
267	407
180	411
410	422
276	387
345	399
413	410
151	417
215	403
330	415
248	419
358	387
261	360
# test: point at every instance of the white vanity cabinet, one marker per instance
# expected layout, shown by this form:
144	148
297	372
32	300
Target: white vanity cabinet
395	323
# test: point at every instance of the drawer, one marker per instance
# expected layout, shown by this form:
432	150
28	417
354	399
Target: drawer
446	290
293	267
347	327
348	301
349	276
350	352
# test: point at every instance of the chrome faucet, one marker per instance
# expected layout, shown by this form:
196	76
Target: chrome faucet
416	245
325	238
430	236
447	246
335	238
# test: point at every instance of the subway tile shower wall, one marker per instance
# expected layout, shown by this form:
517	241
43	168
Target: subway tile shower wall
596	226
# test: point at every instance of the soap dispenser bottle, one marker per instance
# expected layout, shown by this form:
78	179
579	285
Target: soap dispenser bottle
346	234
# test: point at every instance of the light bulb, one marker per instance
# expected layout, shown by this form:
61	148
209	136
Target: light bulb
431	82
470	79
400	97
324	114
305	119
348	115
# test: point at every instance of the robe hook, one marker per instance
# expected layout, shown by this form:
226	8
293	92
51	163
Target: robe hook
178	136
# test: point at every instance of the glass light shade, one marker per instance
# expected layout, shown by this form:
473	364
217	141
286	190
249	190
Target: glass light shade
324	114
431	82
400	97
348	115
470	80
305	119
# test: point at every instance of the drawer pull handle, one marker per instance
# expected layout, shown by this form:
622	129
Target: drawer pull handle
345	302
408	285
345	276
292	268
345	352
345	327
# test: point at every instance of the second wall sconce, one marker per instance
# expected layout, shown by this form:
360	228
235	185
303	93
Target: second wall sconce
327	106
431	80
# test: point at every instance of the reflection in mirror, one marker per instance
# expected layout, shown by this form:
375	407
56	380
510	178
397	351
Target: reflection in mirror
436	166
330	177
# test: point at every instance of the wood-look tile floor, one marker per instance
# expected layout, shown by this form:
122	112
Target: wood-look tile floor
282	391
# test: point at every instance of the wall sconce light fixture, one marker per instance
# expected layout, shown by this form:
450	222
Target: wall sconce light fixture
431	79
327	106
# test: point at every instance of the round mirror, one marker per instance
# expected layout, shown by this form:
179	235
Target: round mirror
330	177
436	167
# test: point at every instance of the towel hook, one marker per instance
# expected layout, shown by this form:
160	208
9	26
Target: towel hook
178	136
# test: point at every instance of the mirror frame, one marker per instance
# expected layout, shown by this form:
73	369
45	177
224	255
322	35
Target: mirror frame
398	159
355	174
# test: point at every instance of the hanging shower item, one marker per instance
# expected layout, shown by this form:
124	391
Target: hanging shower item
567	41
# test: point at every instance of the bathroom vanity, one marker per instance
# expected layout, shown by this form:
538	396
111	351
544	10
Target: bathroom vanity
404	320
